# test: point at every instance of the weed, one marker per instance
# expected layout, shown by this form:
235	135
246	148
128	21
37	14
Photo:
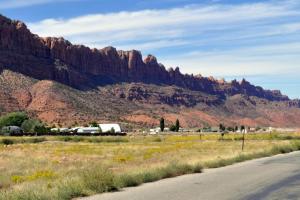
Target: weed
98	180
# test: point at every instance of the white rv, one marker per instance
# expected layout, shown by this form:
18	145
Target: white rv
88	130
109	127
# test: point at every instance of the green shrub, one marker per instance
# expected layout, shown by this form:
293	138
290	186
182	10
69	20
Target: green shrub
7	141
98	180
27	193
65	138
29	125
151	176
128	180
69	189
172	170
157	139
13	119
173	128
41	128
36	140
77	139
94	124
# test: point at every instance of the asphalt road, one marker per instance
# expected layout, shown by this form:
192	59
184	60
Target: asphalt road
270	178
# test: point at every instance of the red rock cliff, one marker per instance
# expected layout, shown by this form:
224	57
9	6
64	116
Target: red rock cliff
81	67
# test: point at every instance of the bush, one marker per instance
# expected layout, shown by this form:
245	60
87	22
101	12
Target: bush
6	141
128	180
98	180
151	176
111	131
26	194
173	128
70	189
172	170
41	129
107	139
176	169
94	124
65	138
13	119
29	126
36	140
157	139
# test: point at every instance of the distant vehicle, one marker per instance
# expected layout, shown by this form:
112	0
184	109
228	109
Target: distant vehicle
157	130
153	133
210	130
102	128
88	130
60	130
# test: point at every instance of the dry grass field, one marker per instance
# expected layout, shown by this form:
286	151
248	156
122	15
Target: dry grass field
69	167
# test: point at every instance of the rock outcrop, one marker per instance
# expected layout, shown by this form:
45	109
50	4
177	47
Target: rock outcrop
61	83
81	67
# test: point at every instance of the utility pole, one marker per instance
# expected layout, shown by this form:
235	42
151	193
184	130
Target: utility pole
243	144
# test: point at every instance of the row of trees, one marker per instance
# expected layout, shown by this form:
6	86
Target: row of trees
21	119
29	125
233	129
174	127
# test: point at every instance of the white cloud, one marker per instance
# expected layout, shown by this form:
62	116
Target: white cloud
152	45
246	61
234	40
185	20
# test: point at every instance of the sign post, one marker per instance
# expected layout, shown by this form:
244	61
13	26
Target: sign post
243	144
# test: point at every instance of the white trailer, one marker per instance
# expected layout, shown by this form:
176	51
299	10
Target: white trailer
88	130
109	127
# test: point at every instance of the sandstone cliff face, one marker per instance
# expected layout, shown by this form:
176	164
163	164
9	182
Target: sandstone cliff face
139	104
81	67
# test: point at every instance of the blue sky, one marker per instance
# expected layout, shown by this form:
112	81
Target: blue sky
258	40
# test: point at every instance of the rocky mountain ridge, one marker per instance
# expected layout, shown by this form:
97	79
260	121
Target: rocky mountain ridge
81	67
65	84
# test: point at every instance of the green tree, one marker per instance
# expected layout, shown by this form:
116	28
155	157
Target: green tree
242	128
236	128
162	124
230	129
13	119
29	125
112	130
34	126
177	125
173	128
94	124
41	128
222	128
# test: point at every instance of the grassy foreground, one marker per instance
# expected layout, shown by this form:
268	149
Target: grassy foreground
69	167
